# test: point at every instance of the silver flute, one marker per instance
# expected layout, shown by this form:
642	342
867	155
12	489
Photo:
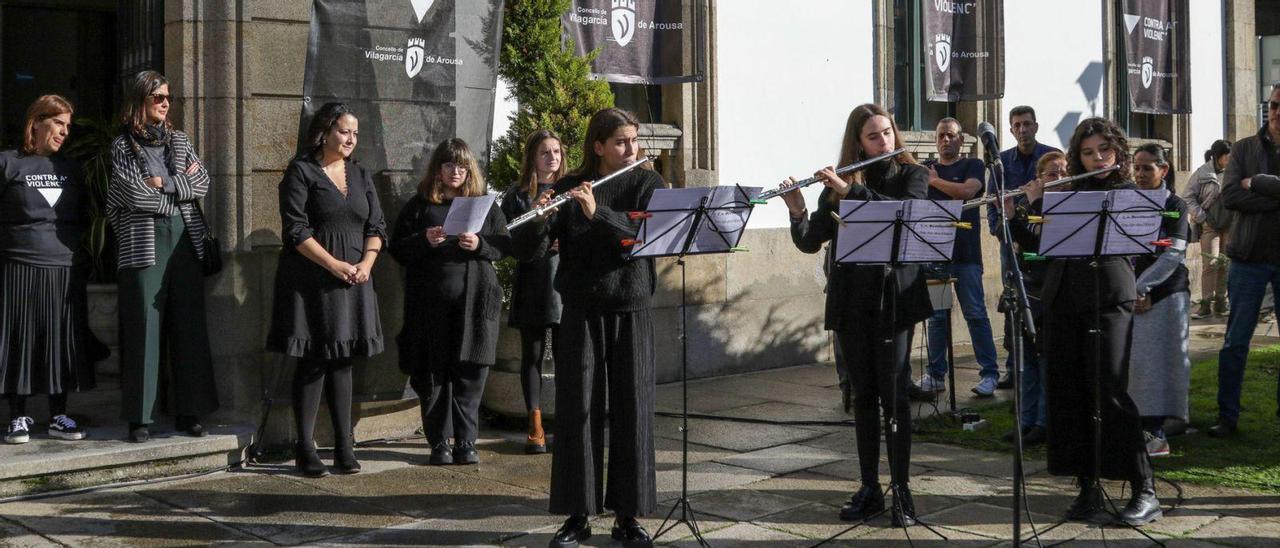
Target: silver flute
993	198
564	197
839	171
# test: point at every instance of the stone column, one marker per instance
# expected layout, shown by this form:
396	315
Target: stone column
1241	70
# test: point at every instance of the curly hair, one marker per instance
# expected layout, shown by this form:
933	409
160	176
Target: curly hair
1113	136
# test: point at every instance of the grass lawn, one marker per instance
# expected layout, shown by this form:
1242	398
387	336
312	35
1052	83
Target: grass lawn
1251	459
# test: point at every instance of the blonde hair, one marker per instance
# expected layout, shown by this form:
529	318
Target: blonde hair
453	151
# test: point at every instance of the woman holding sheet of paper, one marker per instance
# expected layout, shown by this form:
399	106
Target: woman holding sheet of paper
325	312
452	299
1089	308
858	297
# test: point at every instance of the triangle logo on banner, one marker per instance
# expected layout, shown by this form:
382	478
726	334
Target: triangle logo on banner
420	7
51	195
1131	21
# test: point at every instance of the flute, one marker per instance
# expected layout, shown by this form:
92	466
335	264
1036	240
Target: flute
993	198
839	171
564	197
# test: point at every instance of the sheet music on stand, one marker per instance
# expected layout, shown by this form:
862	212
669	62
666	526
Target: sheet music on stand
1131	218
672	212
866	232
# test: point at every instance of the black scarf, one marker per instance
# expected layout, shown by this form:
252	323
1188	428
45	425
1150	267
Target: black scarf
153	135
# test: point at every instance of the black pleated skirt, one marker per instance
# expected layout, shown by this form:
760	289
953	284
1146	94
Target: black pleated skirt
43	332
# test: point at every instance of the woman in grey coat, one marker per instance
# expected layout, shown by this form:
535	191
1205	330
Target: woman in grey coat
1210	221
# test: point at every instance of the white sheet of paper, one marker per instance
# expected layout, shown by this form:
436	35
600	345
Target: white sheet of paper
867	233
932	234
1070	228
722	229
665	232
466	215
1135	221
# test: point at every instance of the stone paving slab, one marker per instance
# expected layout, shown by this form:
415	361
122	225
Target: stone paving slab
822	375
727	436
783	458
480	526
13	535
706	476
743	504
1243	532
748	535
120	518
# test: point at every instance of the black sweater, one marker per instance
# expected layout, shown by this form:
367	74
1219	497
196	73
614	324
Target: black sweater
858	293
596	270
42	209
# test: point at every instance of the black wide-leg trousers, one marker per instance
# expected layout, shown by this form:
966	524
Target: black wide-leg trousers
604	377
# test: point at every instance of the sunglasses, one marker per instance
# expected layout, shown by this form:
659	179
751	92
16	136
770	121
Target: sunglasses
157	98
1273	105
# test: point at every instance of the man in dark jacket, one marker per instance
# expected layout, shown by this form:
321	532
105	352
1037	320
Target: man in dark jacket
1251	188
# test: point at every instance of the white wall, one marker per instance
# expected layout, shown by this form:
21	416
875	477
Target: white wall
503	107
789	75
1208	113
1053	62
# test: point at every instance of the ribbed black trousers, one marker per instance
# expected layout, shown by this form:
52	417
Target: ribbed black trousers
604	377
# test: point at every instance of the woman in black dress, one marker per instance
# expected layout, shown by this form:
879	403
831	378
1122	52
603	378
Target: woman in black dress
605	349
452	301
325	311
42	332
858	301
535	303
1076	297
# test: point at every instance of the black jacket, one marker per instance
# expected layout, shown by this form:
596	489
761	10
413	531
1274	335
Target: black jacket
855	293
1255	232
483	293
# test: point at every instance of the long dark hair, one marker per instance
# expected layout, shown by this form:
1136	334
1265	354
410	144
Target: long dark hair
1156	151
455	151
1218	149
1113	135
603	123
851	146
528	173
321	123
133	106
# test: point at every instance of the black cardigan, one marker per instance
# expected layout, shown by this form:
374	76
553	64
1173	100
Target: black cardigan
855	293
483	293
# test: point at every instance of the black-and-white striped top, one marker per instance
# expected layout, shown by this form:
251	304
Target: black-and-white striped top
133	205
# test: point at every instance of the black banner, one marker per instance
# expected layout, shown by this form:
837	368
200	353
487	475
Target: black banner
640	41
415	72
965	43
1157	58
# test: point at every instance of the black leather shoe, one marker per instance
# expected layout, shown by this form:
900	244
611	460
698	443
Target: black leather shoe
863	504
344	456
465	453
846	399
1005	382
1143	507
139	433
1037	435
441	454
1223	429
1088	503
575	529
904	509
307	461
629	532
190	426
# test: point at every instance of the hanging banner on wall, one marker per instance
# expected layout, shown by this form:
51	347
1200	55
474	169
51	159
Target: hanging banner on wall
965	43
1157	55
640	41
415	72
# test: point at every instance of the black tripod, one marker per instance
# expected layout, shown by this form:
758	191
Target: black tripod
889	286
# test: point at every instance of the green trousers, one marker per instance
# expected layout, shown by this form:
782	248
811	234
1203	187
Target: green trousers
162	318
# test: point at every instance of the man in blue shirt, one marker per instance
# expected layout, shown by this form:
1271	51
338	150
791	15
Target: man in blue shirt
954	178
1019	169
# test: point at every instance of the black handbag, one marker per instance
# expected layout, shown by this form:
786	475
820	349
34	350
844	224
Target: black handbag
211	263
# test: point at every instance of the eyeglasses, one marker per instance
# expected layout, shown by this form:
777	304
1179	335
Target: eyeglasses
1273	105
157	98
450	166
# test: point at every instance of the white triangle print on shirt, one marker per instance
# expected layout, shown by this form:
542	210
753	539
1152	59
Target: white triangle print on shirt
51	195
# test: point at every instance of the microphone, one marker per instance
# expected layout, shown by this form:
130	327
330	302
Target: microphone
991	146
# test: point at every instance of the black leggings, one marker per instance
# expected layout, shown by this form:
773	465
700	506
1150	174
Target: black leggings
876	372
533	346
311	379
18	405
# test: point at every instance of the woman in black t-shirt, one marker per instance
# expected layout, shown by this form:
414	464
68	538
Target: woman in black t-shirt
43	335
535	303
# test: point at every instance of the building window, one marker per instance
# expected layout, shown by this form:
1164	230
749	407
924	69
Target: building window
645	101
910	108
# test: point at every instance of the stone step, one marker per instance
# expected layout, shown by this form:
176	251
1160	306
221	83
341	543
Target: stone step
45	464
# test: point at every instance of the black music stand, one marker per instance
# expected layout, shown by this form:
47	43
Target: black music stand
890	234
677	223
1094	225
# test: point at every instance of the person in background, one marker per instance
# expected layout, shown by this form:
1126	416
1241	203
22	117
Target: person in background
43	336
535	303
1210	221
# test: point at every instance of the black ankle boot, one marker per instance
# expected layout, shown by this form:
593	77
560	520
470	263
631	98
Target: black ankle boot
629	532
139	433
904	509
1143	508
1087	503
575	529
307	461
344	455
863	504
190	425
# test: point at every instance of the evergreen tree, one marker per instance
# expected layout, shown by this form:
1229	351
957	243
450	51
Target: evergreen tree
551	84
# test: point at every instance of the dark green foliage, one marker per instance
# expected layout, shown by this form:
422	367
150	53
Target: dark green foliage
551	84
90	146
